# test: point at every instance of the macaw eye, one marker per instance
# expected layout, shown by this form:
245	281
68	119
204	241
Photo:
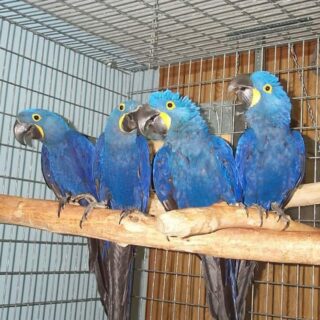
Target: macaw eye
36	117
267	88
170	105
122	106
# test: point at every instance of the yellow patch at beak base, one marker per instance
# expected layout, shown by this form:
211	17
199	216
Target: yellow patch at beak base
166	119
120	122
256	96
40	130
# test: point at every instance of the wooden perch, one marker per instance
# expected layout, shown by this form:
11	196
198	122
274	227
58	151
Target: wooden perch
291	246
306	195
188	222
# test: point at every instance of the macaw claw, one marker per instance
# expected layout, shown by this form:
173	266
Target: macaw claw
262	211
92	203
125	213
281	215
63	201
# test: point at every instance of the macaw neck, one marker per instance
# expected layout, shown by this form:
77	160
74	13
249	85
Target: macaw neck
264	115
266	132
114	137
56	137
192	131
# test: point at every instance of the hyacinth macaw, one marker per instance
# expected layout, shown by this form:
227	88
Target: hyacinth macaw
122	174
66	162
194	169
270	157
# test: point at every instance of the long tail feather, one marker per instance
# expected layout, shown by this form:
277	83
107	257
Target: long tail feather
112	265
217	296
227	284
244	280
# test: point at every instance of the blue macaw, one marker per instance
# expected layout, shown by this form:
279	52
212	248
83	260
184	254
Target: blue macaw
194	169
66	162
270	157
122	173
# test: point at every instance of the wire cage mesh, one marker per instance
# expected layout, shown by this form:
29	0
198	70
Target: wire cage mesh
279	291
80	59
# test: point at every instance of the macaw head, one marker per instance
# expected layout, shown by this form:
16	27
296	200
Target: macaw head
39	124
121	120
167	112
264	96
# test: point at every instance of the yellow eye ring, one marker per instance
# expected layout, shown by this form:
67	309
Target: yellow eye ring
170	105
36	117
267	88
122	107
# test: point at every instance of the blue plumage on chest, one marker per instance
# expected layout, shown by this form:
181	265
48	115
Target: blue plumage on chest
122	177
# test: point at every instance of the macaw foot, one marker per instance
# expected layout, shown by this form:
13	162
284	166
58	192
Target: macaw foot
92	203
125	213
63	201
90	207
262	211
281	215
83	196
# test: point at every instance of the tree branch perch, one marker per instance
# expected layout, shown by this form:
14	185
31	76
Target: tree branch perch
298	244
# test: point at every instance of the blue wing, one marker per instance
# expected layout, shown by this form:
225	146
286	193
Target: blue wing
224	153
48	174
67	168
243	154
144	171
98	167
298	169
162	178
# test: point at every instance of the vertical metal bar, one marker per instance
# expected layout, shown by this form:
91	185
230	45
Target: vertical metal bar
316	142
200	82
168	76
164	284
218	128
252	301
177	253
188	287
222	91
233	113
189	78
153	282
38	253
50	246
199	289
10	164
249	59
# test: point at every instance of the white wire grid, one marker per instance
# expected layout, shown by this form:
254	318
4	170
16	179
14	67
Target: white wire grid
146	33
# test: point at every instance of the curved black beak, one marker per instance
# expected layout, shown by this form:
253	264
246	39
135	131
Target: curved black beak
242	86
26	132
129	123
148	121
